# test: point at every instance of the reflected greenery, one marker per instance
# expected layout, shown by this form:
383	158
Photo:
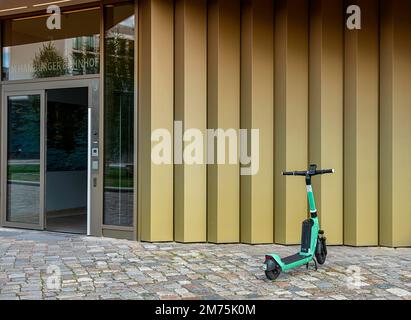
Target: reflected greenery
48	62
118	178
26	173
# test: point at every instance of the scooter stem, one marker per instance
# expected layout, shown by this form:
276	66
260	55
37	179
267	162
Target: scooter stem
310	195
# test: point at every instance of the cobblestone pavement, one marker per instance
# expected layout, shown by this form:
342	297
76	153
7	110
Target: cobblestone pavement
96	268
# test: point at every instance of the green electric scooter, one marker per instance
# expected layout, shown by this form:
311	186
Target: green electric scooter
313	241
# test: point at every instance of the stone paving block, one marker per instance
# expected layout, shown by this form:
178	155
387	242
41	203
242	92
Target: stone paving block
399	292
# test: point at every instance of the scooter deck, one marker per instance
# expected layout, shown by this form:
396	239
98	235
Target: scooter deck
293	259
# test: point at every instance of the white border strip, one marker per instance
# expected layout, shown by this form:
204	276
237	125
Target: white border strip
89	174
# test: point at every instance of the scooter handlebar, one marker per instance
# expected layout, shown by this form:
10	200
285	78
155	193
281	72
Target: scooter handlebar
310	173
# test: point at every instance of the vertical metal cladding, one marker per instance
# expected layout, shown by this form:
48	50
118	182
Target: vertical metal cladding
156	98
190	194
291	116
395	128
257	112
361	108
314	89
223	184
326	111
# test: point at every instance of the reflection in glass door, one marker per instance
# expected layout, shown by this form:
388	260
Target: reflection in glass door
24	171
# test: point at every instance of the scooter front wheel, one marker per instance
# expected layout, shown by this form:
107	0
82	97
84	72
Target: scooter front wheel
321	251
273	275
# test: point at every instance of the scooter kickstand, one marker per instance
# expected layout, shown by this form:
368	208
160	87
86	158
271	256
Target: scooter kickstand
316	266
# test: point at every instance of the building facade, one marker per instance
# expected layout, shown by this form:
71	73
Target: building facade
87	85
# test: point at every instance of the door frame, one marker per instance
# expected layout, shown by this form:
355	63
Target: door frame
40	86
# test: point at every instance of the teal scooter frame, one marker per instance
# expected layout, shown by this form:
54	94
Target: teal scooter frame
313	242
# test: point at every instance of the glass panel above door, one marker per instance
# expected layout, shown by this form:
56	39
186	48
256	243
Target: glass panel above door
23	159
31	50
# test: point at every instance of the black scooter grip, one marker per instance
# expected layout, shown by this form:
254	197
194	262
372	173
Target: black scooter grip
326	171
295	173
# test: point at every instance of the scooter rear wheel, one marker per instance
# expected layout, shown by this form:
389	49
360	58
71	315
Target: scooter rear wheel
272	270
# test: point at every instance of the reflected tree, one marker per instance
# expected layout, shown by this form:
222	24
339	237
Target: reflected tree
48	62
85	56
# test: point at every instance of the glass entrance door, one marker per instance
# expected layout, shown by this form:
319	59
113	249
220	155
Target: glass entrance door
23	143
50	155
